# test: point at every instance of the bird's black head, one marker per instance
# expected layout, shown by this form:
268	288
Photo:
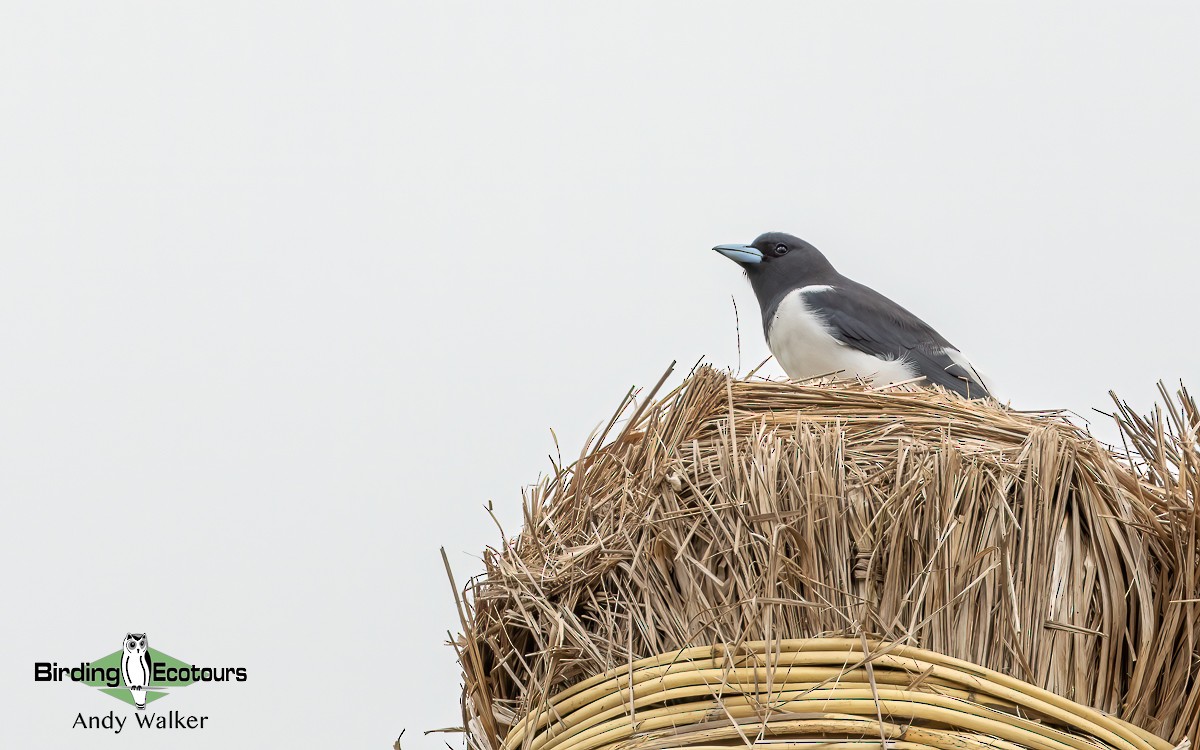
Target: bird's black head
774	252
777	263
778	259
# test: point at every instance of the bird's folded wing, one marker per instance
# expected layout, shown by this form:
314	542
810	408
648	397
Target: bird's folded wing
872	323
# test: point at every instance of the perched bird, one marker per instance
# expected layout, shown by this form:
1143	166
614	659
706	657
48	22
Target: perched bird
818	322
136	667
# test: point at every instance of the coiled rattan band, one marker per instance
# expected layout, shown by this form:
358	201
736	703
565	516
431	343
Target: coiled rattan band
851	694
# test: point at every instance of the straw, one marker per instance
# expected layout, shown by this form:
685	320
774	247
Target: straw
998	563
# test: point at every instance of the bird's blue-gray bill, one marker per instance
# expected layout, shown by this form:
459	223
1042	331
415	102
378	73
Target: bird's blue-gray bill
740	253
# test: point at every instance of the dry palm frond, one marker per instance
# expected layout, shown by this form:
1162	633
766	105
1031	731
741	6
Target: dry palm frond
748	517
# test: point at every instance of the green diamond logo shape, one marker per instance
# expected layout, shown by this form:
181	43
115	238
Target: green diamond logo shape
157	689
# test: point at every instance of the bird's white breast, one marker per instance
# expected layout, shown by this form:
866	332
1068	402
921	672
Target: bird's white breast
804	347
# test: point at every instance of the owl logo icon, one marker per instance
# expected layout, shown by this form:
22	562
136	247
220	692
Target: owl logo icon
135	667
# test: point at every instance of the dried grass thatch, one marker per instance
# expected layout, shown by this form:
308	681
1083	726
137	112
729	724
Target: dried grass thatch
681	584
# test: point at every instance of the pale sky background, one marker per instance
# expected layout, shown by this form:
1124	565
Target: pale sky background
290	290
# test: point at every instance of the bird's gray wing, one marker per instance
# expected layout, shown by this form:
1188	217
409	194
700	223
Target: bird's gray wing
864	319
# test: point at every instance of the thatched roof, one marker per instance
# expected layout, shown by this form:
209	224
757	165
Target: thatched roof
735	512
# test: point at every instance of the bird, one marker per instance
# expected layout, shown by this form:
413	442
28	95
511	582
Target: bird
135	667
818	322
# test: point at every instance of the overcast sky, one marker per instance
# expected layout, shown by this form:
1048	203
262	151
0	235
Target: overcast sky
290	290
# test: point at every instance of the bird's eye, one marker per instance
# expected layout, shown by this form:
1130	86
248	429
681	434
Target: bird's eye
781	249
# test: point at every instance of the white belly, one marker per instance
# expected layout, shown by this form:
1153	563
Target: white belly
136	674
804	348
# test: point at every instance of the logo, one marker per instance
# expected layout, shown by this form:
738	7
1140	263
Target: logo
135	668
137	675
